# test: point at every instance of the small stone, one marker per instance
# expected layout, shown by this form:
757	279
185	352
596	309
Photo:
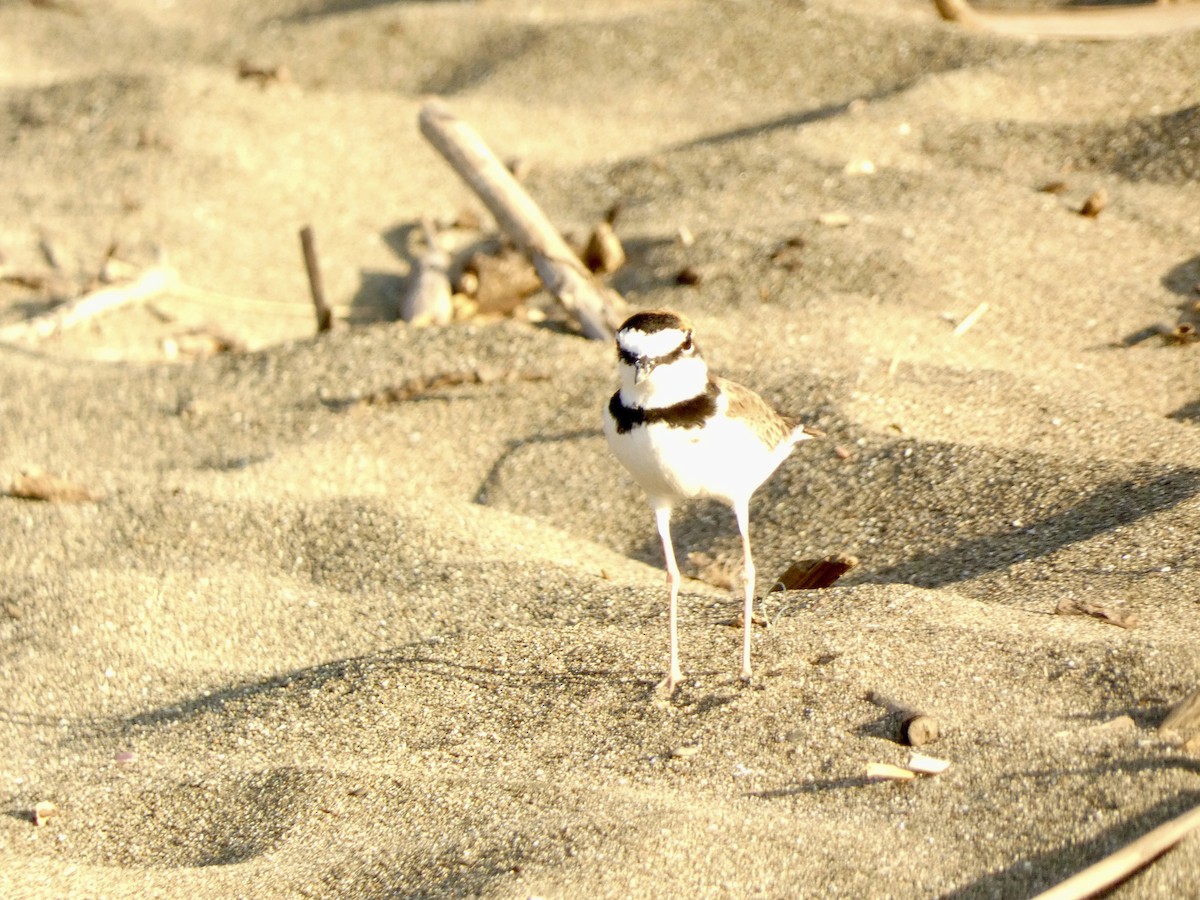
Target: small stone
43	811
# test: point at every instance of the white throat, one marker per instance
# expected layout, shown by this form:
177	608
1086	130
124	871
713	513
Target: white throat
666	385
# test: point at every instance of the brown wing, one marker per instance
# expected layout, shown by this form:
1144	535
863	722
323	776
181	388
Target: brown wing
772	427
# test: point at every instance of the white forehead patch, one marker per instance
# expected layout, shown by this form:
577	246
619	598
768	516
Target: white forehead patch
659	343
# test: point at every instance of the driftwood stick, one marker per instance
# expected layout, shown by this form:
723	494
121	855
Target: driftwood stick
312	265
1120	865
913	726
150	283
1098	24
426	298
597	308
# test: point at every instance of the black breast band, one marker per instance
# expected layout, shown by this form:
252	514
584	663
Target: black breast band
690	413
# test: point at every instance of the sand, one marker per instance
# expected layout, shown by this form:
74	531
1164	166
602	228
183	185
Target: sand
299	645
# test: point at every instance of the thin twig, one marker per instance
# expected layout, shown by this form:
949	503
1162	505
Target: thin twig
972	317
316	286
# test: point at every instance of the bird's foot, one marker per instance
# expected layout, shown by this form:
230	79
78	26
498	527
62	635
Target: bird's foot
666	687
739	621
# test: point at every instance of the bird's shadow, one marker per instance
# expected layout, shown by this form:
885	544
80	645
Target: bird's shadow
379	291
1110	505
354	670
495	472
966	539
1189	412
1184	278
346	7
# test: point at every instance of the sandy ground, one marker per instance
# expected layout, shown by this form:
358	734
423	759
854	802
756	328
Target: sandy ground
304	646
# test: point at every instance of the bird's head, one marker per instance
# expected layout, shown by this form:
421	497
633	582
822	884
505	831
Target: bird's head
659	361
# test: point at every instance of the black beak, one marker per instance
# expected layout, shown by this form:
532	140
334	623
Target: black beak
642	369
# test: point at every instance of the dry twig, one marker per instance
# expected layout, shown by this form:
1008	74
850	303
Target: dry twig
1118	866
150	283
597	308
972	317
312	265
264	75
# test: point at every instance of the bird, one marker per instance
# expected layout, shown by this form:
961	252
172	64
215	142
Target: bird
683	432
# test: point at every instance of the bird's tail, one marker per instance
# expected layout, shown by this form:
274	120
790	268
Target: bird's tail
806	432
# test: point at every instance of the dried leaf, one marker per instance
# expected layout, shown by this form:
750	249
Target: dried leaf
811	574
503	280
1069	606
1094	205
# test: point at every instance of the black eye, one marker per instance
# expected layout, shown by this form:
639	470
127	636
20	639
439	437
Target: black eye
625	356
686	346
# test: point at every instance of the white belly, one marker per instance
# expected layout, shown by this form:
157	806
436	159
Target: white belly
724	459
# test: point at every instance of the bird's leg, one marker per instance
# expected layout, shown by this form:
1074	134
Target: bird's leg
663	515
742	511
